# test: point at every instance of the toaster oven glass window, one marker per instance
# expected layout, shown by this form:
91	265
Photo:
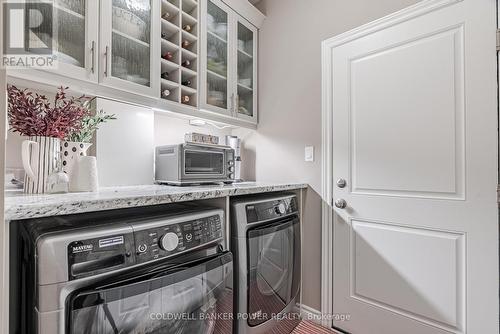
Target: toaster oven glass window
203	162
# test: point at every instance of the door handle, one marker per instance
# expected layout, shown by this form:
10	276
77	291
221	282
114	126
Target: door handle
341	203
92	55
237	104
341	183
106	55
232	104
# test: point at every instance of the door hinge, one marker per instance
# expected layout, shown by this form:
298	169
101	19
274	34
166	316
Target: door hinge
498	39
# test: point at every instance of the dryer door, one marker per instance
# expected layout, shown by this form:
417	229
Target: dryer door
194	297
273	268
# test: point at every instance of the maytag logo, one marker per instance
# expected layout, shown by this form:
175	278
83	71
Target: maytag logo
82	248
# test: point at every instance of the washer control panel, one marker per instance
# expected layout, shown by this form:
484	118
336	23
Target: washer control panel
168	240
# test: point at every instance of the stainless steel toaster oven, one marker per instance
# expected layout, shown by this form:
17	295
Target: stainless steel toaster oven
190	163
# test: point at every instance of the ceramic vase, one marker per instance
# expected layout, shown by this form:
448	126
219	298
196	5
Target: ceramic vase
41	156
84	178
71	151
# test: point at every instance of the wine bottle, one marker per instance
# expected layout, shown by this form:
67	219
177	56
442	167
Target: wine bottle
186	83
186	63
164	75
185	99
168	55
185	44
187	28
166	15
165	93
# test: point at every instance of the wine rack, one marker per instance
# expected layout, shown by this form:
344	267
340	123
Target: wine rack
180	51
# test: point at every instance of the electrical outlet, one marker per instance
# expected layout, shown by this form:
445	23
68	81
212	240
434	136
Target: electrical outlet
309	154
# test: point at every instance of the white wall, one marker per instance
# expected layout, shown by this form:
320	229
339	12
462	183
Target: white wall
290	103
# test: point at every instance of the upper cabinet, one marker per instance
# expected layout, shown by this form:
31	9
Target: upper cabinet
216	75
197	57
75	43
129	45
179	52
229	62
246	70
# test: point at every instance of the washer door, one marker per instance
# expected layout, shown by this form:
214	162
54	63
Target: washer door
273	268
190	298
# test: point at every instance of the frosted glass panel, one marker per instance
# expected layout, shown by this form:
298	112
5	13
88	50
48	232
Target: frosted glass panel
245	70
130	41
217	51
70	18
69	30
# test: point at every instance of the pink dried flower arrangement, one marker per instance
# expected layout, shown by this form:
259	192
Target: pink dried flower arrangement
31	114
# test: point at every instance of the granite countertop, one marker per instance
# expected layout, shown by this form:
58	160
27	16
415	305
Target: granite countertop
21	206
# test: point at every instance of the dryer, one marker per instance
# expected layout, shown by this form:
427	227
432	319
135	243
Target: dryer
265	240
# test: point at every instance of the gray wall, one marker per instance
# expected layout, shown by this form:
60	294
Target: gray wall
290	103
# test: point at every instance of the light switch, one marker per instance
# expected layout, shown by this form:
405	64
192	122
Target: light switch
309	153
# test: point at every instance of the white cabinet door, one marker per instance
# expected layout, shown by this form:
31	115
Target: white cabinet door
414	127
216	60
76	38
129	45
246	69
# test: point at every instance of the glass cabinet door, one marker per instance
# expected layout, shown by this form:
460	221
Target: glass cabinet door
217	67
246	70
76	35
128	44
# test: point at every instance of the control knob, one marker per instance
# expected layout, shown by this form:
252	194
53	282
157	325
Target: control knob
169	241
281	209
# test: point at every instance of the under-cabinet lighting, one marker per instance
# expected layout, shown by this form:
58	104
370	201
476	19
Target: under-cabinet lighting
202	122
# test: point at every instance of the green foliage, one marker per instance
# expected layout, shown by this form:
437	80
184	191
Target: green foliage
89	126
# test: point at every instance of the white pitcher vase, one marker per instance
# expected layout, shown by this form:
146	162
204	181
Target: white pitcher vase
70	152
41	156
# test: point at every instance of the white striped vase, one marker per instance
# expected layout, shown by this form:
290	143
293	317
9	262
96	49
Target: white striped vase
41	157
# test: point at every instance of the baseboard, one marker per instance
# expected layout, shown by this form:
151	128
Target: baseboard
309	313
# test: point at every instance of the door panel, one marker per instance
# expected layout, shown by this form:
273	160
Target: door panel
387	272
216	58
414	134
421	150
130	55
246	72
75	43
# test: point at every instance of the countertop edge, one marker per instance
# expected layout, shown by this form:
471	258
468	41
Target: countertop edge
21	211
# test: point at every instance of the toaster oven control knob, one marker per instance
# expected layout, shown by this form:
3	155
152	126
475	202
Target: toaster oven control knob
169	241
231	176
231	162
231	169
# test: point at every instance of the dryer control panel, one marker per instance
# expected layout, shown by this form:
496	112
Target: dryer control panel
268	210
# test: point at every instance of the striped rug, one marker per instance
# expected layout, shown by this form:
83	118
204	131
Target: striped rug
307	327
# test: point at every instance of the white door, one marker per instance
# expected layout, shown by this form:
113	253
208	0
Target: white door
129	46
414	134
